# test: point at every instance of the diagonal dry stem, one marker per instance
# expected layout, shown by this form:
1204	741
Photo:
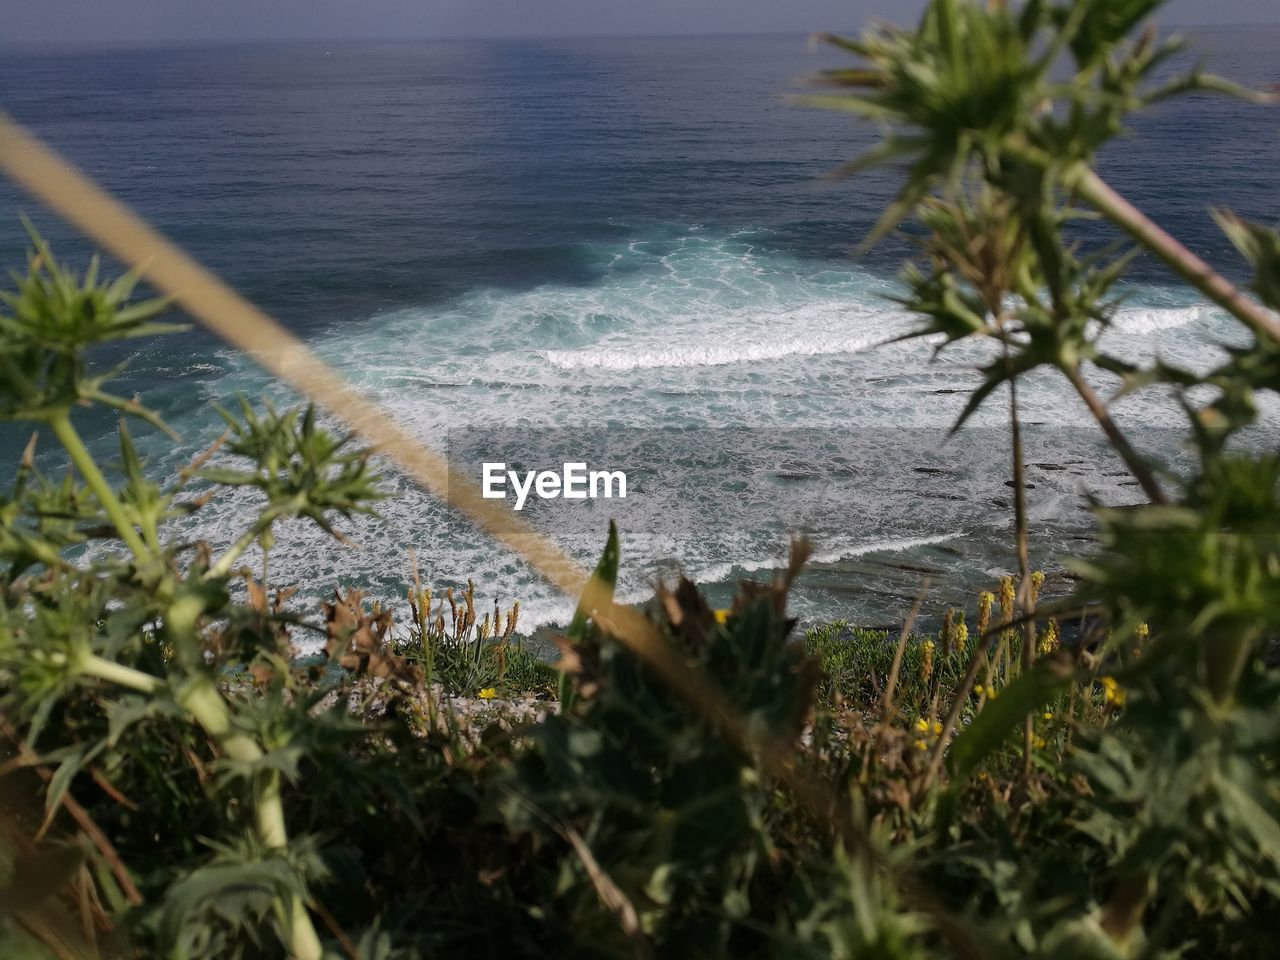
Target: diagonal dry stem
907	626
114	227
1138	467
1177	257
1020	523
110	224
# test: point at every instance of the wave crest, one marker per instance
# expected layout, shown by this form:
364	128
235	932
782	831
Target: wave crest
701	355
1137	321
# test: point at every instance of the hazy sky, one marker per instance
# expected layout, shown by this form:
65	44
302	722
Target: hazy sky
146	21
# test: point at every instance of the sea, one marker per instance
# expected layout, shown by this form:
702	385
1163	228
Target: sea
621	252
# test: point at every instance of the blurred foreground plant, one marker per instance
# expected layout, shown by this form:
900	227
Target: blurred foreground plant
147	629
996	112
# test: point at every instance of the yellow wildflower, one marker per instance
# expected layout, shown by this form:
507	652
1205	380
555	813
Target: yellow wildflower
921	745
1113	692
985	599
1140	635
926	659
1037	581
937	728
722	616
922	725
1006	598
1038	743
1047	715
1049	641
992	692
488	693
961	636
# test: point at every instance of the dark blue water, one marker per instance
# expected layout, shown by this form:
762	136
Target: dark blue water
605	233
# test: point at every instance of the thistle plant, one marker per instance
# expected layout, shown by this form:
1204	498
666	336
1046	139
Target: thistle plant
996	112
146	625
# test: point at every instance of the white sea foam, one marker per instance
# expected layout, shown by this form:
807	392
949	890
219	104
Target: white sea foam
704	355
699	332
883	546
723	571
1136	321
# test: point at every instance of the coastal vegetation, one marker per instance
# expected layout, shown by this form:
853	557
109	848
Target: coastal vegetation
1093	777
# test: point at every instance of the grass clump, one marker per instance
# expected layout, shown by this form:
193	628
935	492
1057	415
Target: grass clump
486	658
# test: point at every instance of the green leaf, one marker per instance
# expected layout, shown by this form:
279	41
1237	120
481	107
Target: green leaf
1252	815
242	893
997	374
606	573
990	728
60	782
129	709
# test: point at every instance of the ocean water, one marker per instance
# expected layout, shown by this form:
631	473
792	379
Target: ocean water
617	251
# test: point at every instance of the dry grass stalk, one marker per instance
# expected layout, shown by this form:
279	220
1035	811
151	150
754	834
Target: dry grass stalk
111	225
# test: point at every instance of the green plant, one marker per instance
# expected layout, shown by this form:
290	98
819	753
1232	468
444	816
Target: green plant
144	629
668	822
485	656
710	785
998	111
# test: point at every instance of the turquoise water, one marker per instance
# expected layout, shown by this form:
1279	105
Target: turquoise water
617	251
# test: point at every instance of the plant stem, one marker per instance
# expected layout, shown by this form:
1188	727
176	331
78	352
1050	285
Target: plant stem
892	682
1137	466
106	497
1024	563
202	700
1122	913
961	694
1177	257
117	673
1225	661
223	564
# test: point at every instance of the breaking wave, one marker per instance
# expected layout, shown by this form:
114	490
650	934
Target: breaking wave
697	332
619	358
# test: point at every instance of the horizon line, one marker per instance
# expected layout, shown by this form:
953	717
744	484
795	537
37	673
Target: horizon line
179	42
